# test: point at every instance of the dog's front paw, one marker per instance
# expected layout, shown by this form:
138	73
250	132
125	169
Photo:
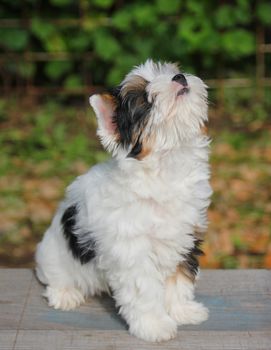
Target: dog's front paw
190	312
153	328
64	298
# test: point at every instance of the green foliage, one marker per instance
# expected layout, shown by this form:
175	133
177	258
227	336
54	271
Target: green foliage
42	29
61	3
56	69
167	6
73	81
238	43
14	39
106	45
26	69
103	3
78	41
200	34
263	12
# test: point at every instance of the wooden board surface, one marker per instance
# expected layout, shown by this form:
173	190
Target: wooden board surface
240	316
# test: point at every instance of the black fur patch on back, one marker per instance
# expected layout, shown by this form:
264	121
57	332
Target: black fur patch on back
131	116
191	263
68	222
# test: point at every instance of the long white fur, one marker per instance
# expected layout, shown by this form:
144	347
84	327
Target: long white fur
140	215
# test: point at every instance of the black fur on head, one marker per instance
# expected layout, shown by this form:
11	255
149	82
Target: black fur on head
131	115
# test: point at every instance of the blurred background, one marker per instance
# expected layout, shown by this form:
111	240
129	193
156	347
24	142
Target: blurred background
55	53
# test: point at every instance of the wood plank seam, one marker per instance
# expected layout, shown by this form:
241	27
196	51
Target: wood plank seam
22	314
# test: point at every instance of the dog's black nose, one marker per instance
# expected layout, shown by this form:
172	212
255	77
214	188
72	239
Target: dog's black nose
180	78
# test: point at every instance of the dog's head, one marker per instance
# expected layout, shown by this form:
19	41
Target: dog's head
155	108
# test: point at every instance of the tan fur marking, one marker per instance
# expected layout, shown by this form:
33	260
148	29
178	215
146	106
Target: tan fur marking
204	130
147	146
182	269
185	273
143	153
135	83
179	275
109	99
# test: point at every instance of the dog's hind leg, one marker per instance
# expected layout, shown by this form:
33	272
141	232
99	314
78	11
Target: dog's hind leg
68	281
56	270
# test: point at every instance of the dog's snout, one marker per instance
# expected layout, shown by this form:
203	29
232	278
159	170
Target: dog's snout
180	78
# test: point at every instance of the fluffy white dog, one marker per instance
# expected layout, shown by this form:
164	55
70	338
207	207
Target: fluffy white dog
133	225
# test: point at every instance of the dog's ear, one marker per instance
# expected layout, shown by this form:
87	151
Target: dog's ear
104	106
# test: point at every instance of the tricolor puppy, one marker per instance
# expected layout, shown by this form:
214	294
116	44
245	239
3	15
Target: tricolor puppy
133	225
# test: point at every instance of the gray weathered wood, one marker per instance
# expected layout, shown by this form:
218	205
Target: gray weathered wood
239	303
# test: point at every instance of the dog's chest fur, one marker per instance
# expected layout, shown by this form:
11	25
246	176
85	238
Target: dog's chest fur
130	207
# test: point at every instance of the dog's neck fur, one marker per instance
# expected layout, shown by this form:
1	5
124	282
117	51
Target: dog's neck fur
191	148
160	175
